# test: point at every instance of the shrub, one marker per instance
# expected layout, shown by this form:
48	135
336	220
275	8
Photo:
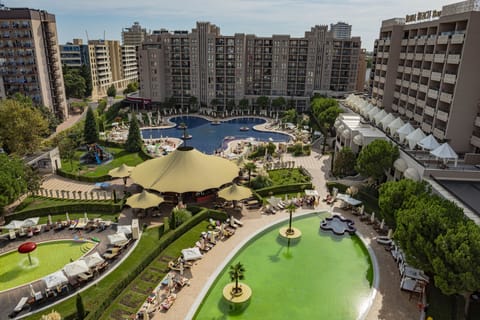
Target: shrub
261	181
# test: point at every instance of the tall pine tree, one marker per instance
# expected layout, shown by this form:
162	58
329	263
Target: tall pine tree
80	308
90	131
134	140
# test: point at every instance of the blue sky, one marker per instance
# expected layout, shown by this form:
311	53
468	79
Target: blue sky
261	17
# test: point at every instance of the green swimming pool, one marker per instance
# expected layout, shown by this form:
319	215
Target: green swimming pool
322	276
15	269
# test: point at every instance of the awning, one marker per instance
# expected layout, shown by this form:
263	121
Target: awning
117	238
127	229
55	279
93	260
191	254
17	224
346	198
74	268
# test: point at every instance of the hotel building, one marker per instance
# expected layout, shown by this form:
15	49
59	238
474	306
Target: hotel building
426	67
207	65
29	58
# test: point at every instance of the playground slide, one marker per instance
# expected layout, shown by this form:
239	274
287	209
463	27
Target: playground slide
97	158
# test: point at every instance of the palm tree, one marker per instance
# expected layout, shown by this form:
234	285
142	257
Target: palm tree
236	273
243	104
250	166
291	207
193	101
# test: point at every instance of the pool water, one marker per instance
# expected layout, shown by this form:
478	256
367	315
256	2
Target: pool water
322	276
15	269
208	138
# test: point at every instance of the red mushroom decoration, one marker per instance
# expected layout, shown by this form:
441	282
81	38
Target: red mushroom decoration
27	247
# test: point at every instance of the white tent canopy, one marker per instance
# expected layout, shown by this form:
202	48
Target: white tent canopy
346	198
389	118
117	238
412	173
372	113
93	260
445	152
17	224
414	137
74	268
379	116
429	142
395	125
364	112
124	229
404	131
191	254
55	279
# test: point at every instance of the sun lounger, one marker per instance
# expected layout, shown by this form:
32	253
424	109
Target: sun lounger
384	240
82	222
21	304
168	302
85	276
238	222
11	234
111	253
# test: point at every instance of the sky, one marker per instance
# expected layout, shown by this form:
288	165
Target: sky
76	18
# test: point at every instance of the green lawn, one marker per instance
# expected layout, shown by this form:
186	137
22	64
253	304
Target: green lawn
77	215
287	176
120	156
33	202
95	295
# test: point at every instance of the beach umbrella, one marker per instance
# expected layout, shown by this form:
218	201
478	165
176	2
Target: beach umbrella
49	219
181	268
144	200
85	215
75	268
390	233
382	224
362	209
235	193
372	217
32	291
55	279
93	260
68	217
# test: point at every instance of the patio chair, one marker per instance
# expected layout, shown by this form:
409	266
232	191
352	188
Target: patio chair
168	302
11	234
21	304
111	253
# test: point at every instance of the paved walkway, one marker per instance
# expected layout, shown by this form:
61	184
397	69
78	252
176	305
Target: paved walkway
389	303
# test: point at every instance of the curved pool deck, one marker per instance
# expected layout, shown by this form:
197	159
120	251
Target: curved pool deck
363	294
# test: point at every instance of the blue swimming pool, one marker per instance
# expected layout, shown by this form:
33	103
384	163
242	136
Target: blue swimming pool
208	138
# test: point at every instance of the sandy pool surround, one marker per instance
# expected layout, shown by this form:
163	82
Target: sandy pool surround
241	244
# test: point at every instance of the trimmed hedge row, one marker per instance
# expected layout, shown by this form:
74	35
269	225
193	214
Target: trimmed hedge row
286	188
73	176
107	207
170	237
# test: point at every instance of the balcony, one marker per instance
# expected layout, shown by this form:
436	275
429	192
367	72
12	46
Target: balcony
439	58
409	113
442	115
404	42
421	103
398	82
403	97
411	42
436	76
423	88
442	39
408	70
429	111
418	56
401	110
446	97
457	38
418	117
394	107
453	58
431	40
411	100
414	86
380	92
426	73
376	78
387	42
400	69
405	83
384	67
403	55
449	78
416	71
432	94
475	141
410	56
385	54
396	94
428	57
427	128
382	80
381	42
438	133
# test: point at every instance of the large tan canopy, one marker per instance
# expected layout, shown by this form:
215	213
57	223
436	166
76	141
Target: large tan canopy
184	170
235	193
144	200
120	172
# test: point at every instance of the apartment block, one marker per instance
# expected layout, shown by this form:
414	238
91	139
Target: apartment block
134	35
426	67
30	59
362	71
213	67
74	54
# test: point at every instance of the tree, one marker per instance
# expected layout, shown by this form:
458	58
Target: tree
344	162
456	264
324	111
263	102
85	73
22	127
291	208
279	103
80	308
290	116
102	106
261	181
395	195
112	91
214	103
131	87
53	315
250	166
50	117
237	273
75	84
90	130
67	148
16	178
134	141
243	104
193	103
230	105
376	158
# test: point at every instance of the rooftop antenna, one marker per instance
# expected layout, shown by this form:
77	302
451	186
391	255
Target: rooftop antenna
86	32
103	36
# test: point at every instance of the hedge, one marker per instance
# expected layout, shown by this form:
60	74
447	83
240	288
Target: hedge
73	176
286	188
370	202
170	237
107	207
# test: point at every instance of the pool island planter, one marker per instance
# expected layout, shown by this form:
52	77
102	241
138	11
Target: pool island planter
338	225
237	298
295	233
